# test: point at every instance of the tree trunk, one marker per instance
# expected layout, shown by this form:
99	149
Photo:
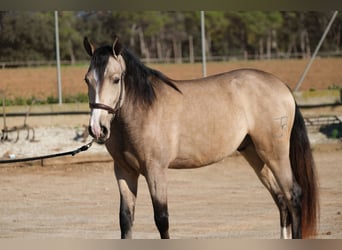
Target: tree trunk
275	42
131	39
153	47
245	54
191	49
269	45
159	49
208	46
174	46
144	50
261	48
304	44
307	42
71	53
177	50
180	56
338	38
168	54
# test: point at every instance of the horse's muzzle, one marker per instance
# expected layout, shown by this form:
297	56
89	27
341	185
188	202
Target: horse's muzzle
103	135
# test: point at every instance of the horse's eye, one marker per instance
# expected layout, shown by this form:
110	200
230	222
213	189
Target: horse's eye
116	80
87	80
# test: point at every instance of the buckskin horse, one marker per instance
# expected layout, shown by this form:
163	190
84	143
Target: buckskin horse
149	123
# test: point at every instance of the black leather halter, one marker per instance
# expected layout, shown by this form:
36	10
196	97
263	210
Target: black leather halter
109	109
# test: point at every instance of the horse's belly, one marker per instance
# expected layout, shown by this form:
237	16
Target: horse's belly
198	159
202	152
187	163
182	163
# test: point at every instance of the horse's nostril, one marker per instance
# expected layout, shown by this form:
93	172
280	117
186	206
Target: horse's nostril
104	130
99	134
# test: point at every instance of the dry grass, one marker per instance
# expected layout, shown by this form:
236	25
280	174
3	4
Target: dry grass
41	82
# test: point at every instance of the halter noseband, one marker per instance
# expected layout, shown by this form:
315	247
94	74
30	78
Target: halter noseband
109	109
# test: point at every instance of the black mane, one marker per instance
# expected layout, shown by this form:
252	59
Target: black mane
139	79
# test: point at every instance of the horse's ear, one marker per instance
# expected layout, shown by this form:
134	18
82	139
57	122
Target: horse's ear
117	47
88	46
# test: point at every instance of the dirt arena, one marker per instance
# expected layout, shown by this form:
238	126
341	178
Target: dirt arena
77	197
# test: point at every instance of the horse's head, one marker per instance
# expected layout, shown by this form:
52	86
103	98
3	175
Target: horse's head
105	80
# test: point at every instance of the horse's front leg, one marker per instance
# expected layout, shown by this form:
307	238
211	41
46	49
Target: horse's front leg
157	183
128	187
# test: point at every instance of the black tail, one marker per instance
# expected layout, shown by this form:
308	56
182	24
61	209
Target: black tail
303	168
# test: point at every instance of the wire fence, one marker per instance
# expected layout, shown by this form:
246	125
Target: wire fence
210	58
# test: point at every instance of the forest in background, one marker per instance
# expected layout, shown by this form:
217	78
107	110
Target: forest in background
165	36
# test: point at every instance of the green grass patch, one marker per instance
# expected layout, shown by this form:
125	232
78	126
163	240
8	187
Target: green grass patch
19	101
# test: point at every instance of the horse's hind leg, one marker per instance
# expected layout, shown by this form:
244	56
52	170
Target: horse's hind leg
275	153
128	187
267	178
281	168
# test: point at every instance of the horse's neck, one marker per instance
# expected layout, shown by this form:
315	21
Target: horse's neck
131	116
135	114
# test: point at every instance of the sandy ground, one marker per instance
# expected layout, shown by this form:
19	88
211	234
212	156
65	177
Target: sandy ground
77	197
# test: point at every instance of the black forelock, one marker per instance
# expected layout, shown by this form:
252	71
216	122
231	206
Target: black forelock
99	60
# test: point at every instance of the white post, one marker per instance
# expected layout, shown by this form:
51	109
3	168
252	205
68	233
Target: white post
204	62
58	60
308	66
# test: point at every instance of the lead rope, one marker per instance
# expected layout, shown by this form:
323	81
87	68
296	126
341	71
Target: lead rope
73	153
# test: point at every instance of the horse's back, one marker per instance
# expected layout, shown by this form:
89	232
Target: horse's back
256	83
243	94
